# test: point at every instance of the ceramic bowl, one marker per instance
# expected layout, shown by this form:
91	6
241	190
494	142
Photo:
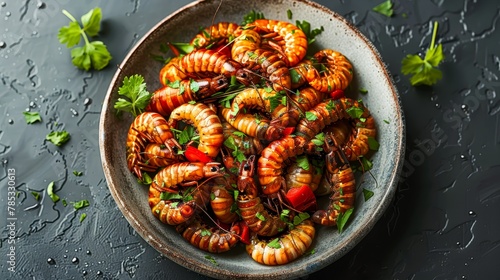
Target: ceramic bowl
370	73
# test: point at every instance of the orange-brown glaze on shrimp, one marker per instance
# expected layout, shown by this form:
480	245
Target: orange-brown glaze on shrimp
260	98
252	125
271	163
209	238
167	98
295	40
184	173
148	127
330	111
207	63
215	34
337	73
289	246
206	122
343	186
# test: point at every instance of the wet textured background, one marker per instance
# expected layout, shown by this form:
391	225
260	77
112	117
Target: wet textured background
442	224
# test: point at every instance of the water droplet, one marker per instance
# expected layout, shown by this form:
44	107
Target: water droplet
99	272
458	243
465	108
466	264
5	161
87	101
34	33
2	44
40	5
65	256
3	4
32	104
84	273
51	261
136	36
437	105
75	260
7	14
463	157
11	121
74	112
88	252
472	213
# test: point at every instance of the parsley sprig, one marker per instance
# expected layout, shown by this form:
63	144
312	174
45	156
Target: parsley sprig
425	71
93	54
134	89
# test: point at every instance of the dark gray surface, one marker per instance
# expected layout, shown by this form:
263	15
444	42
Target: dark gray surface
443	223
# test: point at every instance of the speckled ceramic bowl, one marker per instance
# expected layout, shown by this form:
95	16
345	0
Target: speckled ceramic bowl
370	73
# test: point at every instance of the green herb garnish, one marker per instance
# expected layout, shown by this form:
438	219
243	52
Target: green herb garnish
92	54
32	117
425	71
384	8
50	192
133	88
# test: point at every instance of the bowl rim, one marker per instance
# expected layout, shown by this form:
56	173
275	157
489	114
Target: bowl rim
206	270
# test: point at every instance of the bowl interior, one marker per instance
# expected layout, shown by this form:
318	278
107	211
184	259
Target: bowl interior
369	73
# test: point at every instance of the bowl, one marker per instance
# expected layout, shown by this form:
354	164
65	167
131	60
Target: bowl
370	73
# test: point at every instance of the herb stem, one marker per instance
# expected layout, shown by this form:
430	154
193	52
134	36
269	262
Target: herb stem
70	16
434	33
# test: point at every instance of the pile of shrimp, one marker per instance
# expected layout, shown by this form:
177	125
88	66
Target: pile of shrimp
251	140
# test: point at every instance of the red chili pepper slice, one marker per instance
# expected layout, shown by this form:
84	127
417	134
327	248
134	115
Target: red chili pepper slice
192	154
289	130
336	94
245	233
224	49
301	198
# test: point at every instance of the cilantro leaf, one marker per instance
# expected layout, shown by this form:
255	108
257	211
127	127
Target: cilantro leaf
367	194
50	192
384	8
211	259
343	218
306	28
425	70
80	204
82	217
92	21
32	117
251	17
92	54
275	243
58	138
134	88
70	35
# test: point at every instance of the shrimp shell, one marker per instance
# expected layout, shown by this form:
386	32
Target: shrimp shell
257	218
167	98
206	122
272	162
170	212
183	172
148	127
209	239
295	39
259	98
222	201
338	72
157	155
217	32
249	124
343	186
291	245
